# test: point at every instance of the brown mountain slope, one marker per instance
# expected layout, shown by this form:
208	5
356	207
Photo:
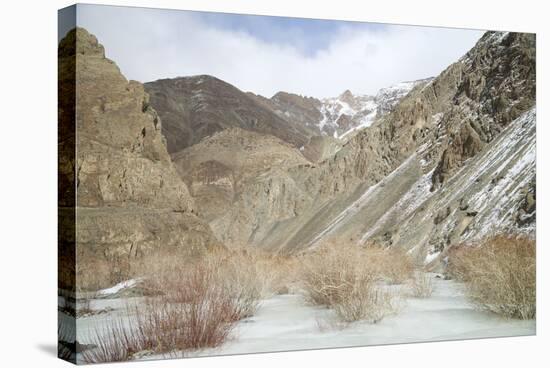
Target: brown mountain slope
219	168
300	110
192	108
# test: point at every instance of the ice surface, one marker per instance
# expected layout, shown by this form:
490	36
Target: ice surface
286	322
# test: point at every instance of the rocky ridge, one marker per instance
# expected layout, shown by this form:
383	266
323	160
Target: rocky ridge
193	108
340	116
130	199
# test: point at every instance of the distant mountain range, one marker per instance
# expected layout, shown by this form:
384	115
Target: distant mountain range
192	108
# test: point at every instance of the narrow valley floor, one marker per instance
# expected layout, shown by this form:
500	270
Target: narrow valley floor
286	322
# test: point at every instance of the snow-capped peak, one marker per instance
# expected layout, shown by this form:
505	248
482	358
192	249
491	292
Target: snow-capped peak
347	113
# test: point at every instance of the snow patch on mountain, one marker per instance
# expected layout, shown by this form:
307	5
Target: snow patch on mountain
348	113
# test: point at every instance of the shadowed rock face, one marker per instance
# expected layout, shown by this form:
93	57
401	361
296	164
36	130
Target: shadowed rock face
130	199
299	110
192	108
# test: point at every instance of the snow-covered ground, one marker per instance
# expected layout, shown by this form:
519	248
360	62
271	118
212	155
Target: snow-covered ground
286	322
118	287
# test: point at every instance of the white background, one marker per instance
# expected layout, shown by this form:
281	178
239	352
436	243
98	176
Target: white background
28	226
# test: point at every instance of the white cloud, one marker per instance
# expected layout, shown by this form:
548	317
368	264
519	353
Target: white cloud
150	44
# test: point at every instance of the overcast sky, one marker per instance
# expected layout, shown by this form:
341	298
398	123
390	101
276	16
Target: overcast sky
269	54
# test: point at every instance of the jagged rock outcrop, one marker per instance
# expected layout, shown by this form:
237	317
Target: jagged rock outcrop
130	199
193	108
465	144
492	193
497	85
439	111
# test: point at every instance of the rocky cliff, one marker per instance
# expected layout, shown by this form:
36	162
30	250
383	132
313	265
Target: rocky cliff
130	199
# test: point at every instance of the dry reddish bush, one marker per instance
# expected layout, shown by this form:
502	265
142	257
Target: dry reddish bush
200	313
195	311
114	343
499	274
196	306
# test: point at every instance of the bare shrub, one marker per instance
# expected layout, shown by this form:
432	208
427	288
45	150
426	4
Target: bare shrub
160	270
457	265
270	273
279	273
114	343
234	273
205	320
99	272
422	285
196	311
392	265
338	278
367	301
499	274
196	306
241	277
326	273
